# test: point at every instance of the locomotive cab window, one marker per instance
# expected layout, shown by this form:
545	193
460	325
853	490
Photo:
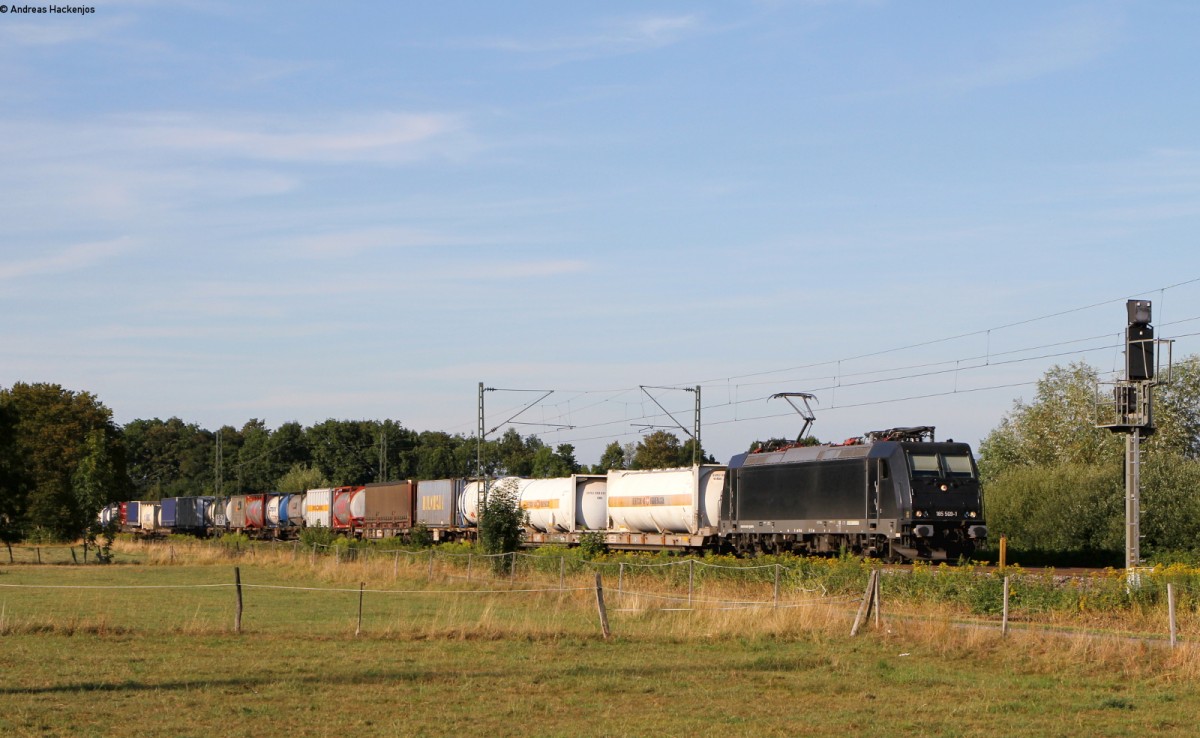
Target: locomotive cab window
924	465
959	466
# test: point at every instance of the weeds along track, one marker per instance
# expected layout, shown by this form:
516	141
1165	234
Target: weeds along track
188	586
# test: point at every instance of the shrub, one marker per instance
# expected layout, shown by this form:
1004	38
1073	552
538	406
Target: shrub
593	544
501	521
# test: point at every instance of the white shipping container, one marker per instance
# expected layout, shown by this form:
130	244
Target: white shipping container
665	500
318	508
468	501
148	515
565	504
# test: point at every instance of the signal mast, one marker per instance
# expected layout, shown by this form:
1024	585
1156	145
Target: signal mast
1132	414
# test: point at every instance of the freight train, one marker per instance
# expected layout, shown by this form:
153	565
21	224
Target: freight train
896	494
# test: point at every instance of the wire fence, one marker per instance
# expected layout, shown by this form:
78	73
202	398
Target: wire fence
1162	610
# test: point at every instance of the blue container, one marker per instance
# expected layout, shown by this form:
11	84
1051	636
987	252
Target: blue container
167	510
132	518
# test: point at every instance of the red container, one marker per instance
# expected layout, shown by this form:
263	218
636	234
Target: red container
343	507
256	511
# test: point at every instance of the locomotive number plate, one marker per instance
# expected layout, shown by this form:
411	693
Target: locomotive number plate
946	514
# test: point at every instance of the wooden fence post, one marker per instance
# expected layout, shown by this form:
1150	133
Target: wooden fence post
868	601
621	578
358	630
237	584
691	579
776	605
600	606
430	576
562	572
878	602
469	558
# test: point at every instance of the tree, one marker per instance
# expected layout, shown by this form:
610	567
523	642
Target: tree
514	455
256	470
169	458
557	463
660	450
438	457
1177	411
55	431
12	483
301	477
345	450
96	482
1055	481
1058	426
612	458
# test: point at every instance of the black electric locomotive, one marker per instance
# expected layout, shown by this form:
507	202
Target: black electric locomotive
897	494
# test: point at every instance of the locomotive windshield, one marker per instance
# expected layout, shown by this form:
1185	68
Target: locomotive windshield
958	465
924	465
953	466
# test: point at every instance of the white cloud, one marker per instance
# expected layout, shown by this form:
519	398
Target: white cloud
382	137
56	32
619	37
72	258
522	270
1068	42
355	242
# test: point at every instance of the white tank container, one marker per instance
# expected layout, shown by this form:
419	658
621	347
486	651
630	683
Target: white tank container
468	500
665	500
318	508
565	504
550	504
273	511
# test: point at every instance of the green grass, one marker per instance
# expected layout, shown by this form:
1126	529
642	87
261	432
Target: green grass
432	661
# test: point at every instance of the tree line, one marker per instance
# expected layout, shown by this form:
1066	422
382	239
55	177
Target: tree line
62	458
1054	481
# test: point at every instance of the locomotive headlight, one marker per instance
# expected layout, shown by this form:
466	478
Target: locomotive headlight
971	514
919	514
945	487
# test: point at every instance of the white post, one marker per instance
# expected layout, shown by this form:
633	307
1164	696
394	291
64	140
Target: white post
1004	621
1171	612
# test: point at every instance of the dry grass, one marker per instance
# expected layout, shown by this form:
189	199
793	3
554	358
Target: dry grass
442	655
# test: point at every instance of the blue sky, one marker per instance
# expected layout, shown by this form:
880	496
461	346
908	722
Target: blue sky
297	211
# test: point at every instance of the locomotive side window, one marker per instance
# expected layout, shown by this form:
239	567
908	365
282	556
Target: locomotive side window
959	466
924	465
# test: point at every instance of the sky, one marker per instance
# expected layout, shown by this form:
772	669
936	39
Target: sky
308	210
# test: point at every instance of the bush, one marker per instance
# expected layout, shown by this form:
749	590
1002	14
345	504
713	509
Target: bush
420	536
593	544
501	521
319	535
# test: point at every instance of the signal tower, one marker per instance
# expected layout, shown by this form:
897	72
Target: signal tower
1132	412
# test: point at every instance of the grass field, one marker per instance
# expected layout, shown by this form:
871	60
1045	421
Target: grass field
442	656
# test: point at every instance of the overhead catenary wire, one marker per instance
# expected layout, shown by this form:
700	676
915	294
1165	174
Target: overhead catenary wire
831	382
